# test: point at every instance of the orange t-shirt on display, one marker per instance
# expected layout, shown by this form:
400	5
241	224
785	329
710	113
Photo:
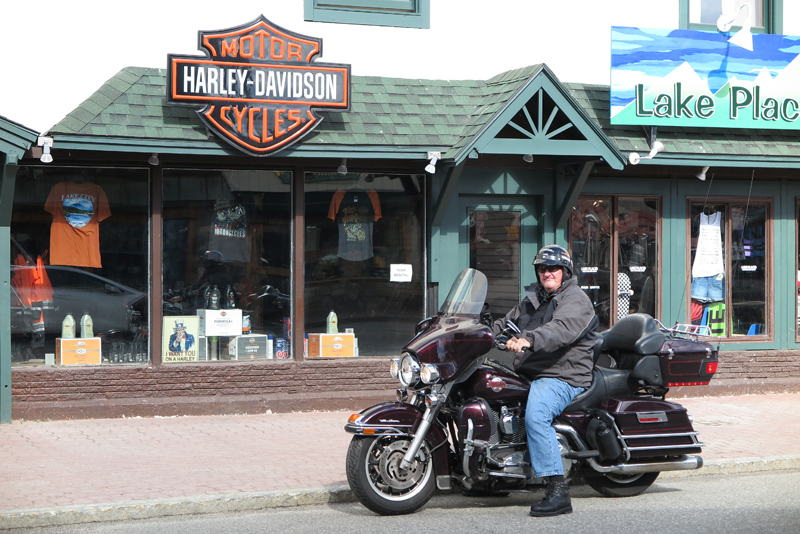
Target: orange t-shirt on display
77	210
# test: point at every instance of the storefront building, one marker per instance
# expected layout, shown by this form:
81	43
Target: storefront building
210	272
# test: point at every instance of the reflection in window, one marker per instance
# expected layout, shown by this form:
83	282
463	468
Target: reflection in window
590	242
364	257
614	243
227	246
494	246
79	247
728	268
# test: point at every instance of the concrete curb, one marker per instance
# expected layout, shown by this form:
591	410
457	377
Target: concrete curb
740	465
240	502
202	504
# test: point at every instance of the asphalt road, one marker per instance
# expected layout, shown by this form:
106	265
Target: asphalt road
724	504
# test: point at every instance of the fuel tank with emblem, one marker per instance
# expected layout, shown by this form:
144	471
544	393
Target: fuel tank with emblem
497	383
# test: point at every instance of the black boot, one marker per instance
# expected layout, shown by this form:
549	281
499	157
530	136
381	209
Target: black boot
556	500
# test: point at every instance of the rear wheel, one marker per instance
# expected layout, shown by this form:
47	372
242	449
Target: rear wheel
612	485
374	474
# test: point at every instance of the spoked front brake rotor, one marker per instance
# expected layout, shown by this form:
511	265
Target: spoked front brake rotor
391	472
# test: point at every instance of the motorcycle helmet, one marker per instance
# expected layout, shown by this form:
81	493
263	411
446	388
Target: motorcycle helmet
554	255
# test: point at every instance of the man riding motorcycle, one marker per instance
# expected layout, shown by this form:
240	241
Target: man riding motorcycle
554	350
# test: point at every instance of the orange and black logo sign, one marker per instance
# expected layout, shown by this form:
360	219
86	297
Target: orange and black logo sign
258	85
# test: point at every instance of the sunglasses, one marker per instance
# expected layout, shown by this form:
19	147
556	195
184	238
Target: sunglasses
547	268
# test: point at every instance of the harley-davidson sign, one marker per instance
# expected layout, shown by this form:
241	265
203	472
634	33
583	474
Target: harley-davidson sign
258	85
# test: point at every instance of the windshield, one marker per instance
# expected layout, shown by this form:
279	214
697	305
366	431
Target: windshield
467	295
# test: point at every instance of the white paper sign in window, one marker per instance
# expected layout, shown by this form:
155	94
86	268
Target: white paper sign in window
400	272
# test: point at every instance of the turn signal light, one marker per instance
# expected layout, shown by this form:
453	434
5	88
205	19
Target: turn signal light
711	368
354	417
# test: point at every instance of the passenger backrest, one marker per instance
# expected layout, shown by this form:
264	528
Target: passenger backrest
637	333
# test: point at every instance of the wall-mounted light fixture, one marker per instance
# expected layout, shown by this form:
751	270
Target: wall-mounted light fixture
743	37
702	174
46	143
153	160
430	168
342	170
527	158
635	158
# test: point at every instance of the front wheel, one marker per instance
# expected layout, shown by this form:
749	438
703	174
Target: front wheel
374	474
612	485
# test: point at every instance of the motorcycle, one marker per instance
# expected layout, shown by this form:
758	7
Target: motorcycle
459	417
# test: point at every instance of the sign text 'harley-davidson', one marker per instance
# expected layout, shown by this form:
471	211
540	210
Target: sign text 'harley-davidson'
258	85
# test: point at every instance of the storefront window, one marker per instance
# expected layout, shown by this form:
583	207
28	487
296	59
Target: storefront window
80	266
365	261
614	243
709	11
226	265
729	268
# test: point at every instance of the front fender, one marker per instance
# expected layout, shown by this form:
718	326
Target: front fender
400	418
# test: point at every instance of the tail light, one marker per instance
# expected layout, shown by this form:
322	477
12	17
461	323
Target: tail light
711	367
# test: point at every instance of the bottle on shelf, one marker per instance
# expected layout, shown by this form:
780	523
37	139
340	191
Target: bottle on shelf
333	323
87	326
68	327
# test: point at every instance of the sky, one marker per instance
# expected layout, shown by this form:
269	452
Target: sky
55	54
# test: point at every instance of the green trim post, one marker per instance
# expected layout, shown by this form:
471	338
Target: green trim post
5	328
6	201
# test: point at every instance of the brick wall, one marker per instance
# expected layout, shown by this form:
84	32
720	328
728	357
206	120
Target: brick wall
758	364
199	389
253	387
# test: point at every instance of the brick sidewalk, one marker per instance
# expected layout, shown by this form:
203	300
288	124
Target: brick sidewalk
63	463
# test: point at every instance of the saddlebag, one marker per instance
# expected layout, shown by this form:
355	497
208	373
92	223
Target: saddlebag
651	428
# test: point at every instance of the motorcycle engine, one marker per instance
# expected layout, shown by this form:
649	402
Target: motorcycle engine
502	446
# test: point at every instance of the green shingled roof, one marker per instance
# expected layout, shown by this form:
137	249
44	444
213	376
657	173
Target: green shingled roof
15	138
407	116
724	144
384	112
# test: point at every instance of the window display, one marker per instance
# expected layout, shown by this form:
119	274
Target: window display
360	229
73	261
614	243
77	209
729	272
226	262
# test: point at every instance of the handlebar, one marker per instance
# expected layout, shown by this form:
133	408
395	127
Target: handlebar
511	330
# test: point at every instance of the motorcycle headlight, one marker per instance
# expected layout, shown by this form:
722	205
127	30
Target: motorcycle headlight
429	374
394	367
409	371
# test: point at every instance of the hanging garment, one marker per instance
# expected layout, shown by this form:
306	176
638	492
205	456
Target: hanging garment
716	318
355	212
624	292
229	231
697	310
708	259
77	209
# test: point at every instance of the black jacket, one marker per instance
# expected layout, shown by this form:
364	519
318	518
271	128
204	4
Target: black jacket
560	330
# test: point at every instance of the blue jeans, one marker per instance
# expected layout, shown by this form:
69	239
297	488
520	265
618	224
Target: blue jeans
548	397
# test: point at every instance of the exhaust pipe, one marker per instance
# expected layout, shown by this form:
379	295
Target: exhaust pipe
682	463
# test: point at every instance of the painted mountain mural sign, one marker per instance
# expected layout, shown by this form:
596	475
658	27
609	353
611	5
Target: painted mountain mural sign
258	85
697	78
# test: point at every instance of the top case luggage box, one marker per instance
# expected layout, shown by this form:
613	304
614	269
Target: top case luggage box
685	362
